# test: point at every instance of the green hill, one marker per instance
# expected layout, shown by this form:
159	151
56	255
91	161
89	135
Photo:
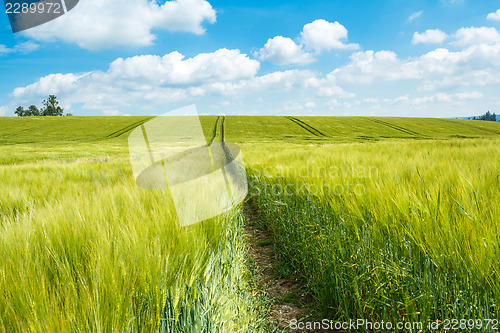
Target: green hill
248	129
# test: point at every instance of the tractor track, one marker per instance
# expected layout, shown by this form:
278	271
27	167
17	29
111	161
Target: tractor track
260	245
222	128
126	129
215	131
471	125
305	126
395	127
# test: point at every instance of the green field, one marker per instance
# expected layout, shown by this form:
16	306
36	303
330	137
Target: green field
392	219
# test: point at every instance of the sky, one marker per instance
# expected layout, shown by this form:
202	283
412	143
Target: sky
422	58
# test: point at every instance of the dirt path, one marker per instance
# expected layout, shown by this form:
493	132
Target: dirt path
287	296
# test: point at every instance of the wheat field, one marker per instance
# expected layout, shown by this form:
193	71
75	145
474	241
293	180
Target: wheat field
390	219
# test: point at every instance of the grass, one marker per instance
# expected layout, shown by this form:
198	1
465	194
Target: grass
384	218
414	237
327	130
83	249
264	242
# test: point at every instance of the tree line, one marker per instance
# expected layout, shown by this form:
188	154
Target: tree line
50	108
487	116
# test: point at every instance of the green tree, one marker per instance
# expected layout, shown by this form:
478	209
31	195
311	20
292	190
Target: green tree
51	107
488	116
33	111
20	111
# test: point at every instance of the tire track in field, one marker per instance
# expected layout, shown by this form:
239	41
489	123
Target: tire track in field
222	128
476	127
396	127
231	170
215	131
126	129
262	261
287	296
305	126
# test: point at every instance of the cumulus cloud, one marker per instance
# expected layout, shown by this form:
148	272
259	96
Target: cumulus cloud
334	91
446	98
475	36
316	37
322	35
24	47
146	80
435	36
284	51
495	16
97	24
3	110
415	16
144	84
477	64
173	69
50	84
370	66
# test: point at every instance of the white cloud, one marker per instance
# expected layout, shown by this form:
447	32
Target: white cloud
25	47
173	69
112	113
280	81
97	24
144	84
447	98
3	110
333	90
322	35
435	36
148	83
48	85
149	80
495	16
415	15
369	66
284	51
475	36
285	80
476	64
469	95
316	37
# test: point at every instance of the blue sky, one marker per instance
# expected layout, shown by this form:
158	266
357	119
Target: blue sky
436	58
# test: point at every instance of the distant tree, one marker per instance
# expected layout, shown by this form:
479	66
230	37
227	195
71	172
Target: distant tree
51	107
33	111
69	114
20	111
488	116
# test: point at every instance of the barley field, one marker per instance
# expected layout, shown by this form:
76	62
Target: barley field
392	219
